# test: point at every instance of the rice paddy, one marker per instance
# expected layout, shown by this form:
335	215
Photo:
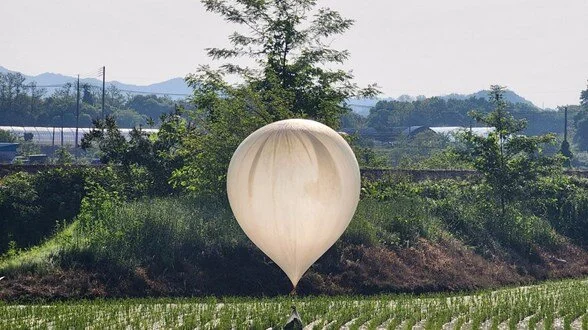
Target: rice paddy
553	305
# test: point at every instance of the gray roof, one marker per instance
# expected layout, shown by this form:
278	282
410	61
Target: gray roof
8	146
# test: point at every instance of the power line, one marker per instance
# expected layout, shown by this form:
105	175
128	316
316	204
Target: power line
348	104
120	89
154	93
186	95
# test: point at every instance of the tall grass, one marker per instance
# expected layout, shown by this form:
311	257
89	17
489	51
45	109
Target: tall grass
155	231
395	221
164	231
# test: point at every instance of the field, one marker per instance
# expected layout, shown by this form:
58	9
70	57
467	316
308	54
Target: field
558	305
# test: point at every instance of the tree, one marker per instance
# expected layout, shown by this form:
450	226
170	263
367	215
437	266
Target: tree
88	96
566	152
291	54
13	99
60	106
581	122
293	76
151	106
584	99
128	118
6	136
510	163
63	156
565	149
153	158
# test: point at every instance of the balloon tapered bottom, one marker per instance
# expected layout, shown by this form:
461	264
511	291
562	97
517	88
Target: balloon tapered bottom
293	292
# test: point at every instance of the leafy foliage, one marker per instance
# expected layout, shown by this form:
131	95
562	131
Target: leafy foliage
6	136
64	157
510	163
27	105
292	78
31	205
386	116
581	122
566	152
148	159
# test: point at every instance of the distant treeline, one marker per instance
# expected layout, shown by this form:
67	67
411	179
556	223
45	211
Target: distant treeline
436	111
24	104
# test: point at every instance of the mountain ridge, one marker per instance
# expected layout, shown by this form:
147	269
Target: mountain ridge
362	106
174	87
177	88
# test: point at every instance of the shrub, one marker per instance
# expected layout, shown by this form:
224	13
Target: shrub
398	209
563	202
32	204
160	231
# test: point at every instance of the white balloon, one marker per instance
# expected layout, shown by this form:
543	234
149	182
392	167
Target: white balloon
293	186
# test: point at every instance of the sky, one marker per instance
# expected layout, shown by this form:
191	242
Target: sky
538	48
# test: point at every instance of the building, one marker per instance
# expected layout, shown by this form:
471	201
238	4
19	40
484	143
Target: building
58	136
7	152
449	131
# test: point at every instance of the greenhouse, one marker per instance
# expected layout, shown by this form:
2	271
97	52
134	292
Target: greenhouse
57	136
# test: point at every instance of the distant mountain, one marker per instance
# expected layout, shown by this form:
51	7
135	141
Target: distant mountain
509	96
175	88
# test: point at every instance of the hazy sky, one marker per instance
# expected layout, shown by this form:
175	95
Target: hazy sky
538	48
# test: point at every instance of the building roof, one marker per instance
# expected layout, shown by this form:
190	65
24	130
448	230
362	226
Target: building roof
59	135
452	130
8	147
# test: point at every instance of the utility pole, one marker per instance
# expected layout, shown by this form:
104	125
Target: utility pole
32	97
566	124
77	111
103	88
62	115
565	145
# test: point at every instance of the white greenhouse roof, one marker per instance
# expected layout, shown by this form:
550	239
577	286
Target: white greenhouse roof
52	135
452	130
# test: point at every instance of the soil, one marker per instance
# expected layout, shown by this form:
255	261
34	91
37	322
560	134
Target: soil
445	265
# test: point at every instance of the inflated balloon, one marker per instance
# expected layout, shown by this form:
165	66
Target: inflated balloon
293	186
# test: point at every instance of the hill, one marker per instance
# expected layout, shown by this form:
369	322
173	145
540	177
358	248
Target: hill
175	87
509	96
362	106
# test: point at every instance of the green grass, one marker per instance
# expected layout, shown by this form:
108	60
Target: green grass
161	231
41	257
564	302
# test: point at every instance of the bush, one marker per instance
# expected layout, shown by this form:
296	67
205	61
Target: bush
464	209
399	210
32	204
161	231
563	202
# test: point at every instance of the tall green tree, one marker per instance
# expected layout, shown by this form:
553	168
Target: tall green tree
581	122
511	163
584	99
150	158
293	74
287	40
6	136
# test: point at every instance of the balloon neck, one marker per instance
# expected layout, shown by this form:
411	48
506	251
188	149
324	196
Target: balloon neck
293	292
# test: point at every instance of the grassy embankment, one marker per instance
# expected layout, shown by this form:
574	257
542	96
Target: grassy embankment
405	237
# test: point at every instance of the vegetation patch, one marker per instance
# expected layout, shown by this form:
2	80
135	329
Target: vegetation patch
561	303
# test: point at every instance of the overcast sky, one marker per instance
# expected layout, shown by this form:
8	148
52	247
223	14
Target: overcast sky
538	48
